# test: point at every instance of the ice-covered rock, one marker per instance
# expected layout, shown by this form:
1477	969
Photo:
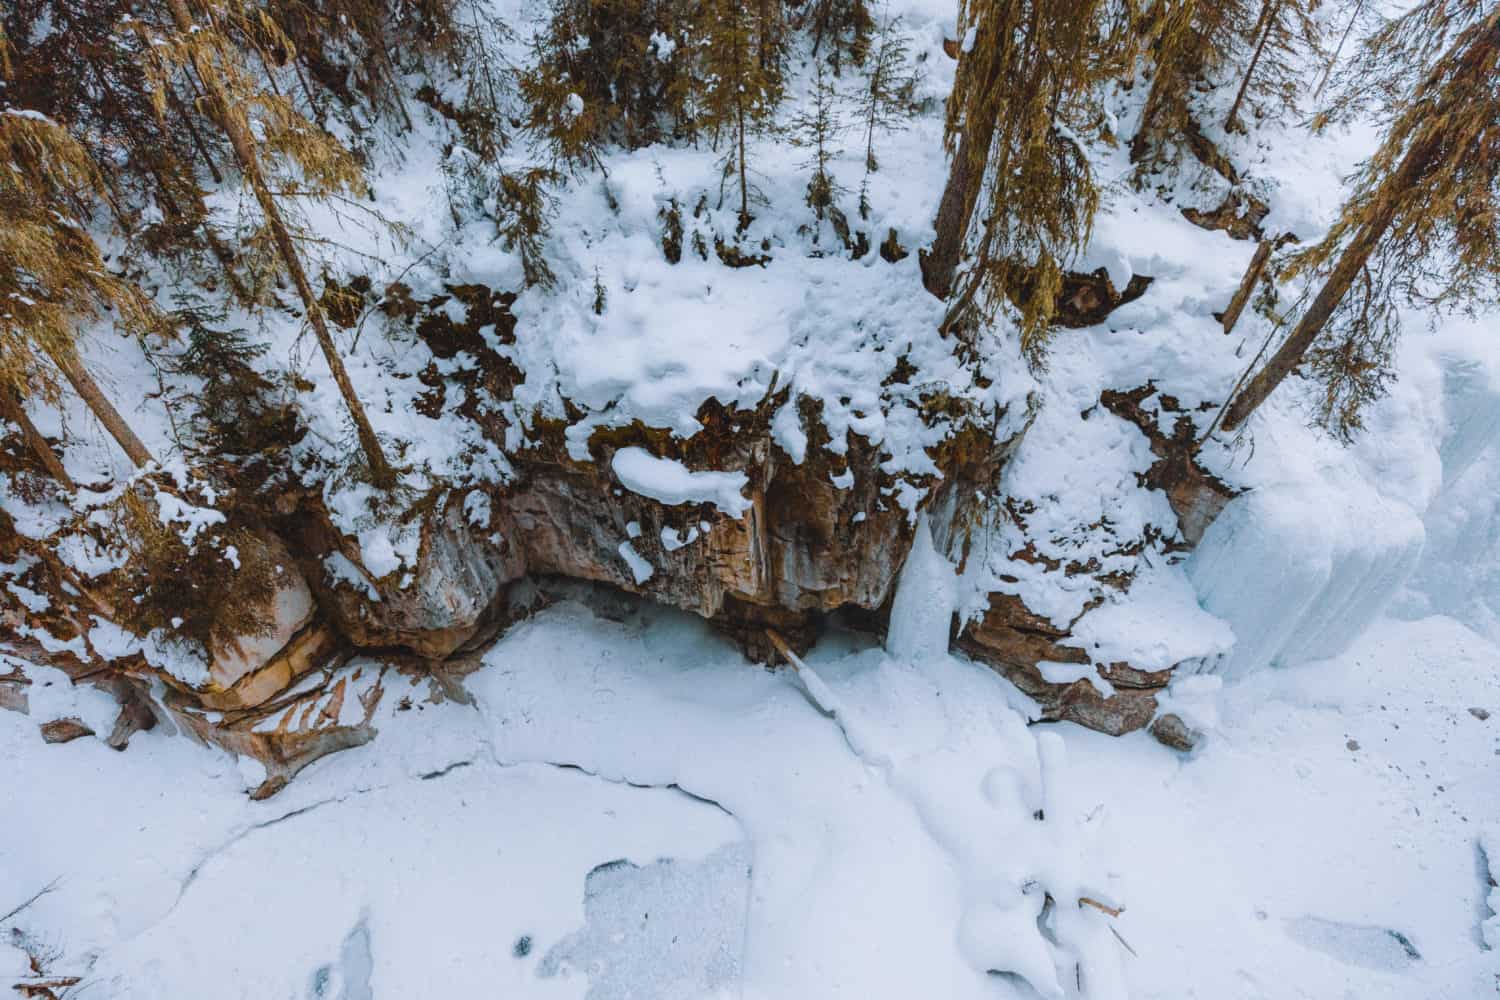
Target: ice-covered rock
922	612
1299	572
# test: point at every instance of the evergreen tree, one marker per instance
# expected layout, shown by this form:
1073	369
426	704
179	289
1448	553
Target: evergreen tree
570	126
237	416
740	81
619	58
1285	35
1423	221
51	274
817	129
840	29
79	63
884	103
1023	105
324	166
1192	45
523	227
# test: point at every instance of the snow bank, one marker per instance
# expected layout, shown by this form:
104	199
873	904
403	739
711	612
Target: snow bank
672	483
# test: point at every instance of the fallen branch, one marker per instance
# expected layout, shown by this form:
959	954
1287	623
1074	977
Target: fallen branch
792	659
45	989
823	698
36	896
1113	911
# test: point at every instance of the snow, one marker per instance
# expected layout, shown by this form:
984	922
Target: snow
341	570
640	567
787	431
874	823
672	483
1128	628
1274	859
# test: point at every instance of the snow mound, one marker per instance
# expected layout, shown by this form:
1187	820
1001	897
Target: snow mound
673	483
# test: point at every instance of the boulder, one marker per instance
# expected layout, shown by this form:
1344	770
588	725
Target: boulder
1012	640
1171	731
64	730
451	595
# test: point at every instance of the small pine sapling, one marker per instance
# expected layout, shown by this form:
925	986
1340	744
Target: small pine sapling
741	84
817	128
885	102
527	212
601	297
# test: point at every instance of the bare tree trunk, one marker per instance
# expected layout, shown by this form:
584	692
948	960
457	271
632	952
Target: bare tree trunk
14	410
1268	21
1350	263
1328	72
1231	314
960	195
198	142
244	152
744	183
88	390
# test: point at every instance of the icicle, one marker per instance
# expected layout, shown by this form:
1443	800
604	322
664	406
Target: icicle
922	613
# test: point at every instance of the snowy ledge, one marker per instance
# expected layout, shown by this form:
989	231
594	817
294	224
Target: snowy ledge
672	483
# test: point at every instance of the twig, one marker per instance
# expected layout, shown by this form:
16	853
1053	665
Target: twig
1113	911
1123	942
39	894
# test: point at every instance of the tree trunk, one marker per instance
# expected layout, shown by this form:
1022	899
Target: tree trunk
1231	314
1268	19
14	410
1334	61
1350	263
88	390
744	184
960	195
192	129
244	152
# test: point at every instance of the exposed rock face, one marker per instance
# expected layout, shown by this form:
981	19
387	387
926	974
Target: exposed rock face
249	669
64	730
1013	640
1089	298
817	536
462	569
290	610
1239	214
1196	495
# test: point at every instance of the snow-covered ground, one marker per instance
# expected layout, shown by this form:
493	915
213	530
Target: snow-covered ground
630	810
